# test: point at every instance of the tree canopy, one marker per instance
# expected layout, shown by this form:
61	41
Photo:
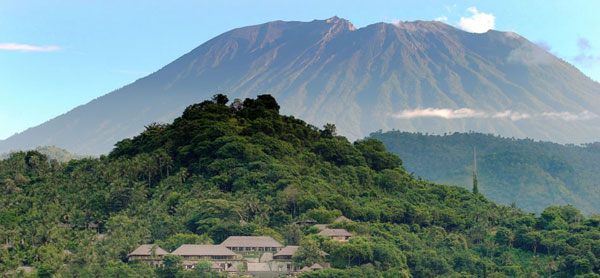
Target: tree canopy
244	169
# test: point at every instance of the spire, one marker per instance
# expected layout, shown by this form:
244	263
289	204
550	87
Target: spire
475	183
475	159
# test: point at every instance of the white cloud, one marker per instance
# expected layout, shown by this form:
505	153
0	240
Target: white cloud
397	22
479	22
441	18
567	116
438	113
26	47
528	54
464	113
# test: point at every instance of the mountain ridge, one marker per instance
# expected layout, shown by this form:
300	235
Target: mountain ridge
329	71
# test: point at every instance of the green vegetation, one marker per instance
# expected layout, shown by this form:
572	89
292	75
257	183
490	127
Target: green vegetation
52	152
244	169
531	174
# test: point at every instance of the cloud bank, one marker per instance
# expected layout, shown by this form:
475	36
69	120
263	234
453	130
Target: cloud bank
26	47
479	22
467	113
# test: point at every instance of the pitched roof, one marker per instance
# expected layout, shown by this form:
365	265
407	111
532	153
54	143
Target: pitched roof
146	250
305	269
334	232
23	269
251	241
287	251
316	266
214	265
342	219
203	250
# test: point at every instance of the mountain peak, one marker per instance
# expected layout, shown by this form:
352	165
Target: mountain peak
363	80
342	22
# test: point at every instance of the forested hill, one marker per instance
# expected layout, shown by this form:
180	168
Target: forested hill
243	169
532	174
52	152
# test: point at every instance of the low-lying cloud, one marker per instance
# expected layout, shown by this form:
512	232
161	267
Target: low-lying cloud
26	47
467	113
585	115
479	22
530	54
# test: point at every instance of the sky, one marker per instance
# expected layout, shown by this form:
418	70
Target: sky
58	54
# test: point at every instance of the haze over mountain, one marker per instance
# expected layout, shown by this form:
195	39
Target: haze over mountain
415	76
534	175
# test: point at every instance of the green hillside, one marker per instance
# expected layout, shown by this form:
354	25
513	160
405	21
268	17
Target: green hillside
52	152
244	169
532	174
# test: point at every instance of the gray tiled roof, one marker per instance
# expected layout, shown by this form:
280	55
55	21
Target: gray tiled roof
334	232
316	266
342	219
287	251
203	250
251	241
290	250
146	250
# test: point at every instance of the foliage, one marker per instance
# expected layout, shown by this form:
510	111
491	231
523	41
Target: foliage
530	174
223	170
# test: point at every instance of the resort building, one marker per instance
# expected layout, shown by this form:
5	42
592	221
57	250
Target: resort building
252	244
342	219
205	252
286	253
220	258
336	234
148	253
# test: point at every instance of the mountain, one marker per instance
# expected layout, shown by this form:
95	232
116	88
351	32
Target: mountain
532	174
328	71
246	170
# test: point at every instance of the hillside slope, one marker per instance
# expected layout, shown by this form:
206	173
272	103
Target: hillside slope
52	152
360	79
244	169
532	174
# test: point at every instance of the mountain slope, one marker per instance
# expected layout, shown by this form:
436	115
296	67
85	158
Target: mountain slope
534	175
329	71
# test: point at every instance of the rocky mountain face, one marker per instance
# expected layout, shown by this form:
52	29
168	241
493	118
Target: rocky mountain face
414	76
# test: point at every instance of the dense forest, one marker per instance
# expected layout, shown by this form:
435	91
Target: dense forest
244	169
52	152
531	174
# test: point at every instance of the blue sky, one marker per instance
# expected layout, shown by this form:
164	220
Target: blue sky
58	54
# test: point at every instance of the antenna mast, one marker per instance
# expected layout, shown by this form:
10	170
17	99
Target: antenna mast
475	183
475	159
